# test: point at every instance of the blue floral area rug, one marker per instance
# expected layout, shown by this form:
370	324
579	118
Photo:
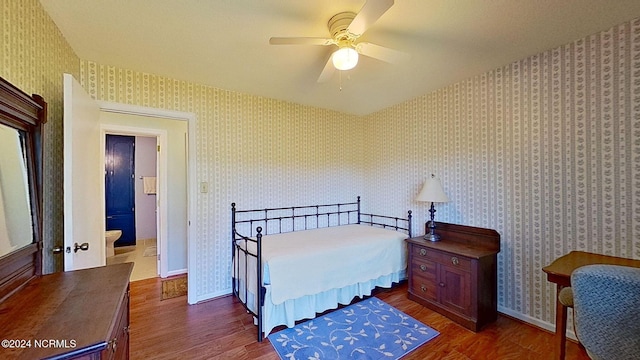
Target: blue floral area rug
369	329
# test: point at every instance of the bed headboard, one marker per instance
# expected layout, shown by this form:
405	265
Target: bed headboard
296	218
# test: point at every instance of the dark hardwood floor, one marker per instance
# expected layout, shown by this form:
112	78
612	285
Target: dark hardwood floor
221	329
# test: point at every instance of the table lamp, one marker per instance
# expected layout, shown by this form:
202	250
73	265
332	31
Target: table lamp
432	192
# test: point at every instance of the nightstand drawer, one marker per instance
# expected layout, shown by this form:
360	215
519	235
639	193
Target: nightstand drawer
424	268
422	253
424	287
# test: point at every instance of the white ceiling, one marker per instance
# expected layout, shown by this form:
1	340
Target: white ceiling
225	43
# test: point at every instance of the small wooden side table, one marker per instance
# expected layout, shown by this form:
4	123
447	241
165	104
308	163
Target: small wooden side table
559	272
456	276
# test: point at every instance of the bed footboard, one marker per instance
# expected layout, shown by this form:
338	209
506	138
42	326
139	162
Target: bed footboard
242	258
247	245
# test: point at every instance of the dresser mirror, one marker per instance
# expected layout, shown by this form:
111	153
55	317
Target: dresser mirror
16	223
21	119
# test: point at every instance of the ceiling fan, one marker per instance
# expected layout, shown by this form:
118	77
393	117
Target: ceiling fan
345	29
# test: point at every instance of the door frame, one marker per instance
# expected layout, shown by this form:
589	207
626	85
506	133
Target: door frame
191	119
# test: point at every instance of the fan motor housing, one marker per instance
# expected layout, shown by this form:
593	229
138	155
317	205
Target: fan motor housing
339	23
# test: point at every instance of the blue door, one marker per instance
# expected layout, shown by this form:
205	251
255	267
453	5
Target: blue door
120	187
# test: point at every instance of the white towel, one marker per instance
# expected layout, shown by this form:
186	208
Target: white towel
149	184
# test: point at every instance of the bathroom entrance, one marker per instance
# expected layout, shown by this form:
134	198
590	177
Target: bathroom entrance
174	158
131	165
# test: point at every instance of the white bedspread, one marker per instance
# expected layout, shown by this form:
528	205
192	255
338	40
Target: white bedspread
313	261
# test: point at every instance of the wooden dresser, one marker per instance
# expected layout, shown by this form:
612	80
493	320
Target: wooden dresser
81	314
457	275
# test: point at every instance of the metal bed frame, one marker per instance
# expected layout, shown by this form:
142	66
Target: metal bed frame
285	219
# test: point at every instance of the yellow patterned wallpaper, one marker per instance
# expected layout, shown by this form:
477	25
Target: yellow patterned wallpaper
33	56
545	150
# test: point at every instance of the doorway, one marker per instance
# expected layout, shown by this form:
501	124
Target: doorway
172	176
131	202
178	252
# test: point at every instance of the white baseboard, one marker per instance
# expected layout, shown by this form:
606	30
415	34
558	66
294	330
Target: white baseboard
176	272
213	295
536	322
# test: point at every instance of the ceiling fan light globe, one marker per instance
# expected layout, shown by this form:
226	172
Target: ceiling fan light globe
345	58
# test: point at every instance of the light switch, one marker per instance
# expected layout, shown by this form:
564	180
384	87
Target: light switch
204	187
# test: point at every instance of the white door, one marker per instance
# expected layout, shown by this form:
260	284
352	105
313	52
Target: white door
84	241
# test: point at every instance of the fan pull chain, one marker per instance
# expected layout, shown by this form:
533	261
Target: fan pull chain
340	78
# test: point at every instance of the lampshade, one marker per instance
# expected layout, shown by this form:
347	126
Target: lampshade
432	191
345	58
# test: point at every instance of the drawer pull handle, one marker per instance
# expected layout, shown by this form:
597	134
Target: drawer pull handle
423	267
114	344
423	288
125	329
441	284
455	261
423	252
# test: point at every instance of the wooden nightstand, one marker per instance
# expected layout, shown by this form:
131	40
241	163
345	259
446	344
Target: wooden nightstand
457	275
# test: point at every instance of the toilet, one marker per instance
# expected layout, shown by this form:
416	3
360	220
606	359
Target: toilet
111	237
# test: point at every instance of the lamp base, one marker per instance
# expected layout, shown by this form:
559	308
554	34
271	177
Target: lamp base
432	237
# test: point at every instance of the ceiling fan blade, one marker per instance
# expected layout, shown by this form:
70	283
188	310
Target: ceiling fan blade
382	53
327	72
300	41
369	14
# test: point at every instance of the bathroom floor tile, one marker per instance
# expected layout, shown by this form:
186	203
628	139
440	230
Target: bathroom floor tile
144	267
